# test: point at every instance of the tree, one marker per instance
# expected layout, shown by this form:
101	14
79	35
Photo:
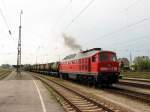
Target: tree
124	63
142	63
6	66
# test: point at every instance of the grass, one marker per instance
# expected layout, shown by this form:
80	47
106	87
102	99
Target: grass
144	75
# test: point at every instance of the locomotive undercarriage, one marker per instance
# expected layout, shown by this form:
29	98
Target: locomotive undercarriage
107	78
103	79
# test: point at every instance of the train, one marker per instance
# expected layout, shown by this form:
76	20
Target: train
96	66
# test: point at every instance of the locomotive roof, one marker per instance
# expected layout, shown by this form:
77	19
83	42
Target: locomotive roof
83	54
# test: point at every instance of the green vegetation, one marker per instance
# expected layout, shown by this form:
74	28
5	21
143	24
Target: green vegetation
6	66
144	75
142	63
140	68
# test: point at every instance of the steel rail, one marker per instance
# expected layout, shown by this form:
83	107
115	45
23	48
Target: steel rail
77	93
135	84
4	74
132	94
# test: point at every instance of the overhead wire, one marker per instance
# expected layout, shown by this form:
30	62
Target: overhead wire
79	14
111	33
118	30
86	7
62	14
132	4
131	42
122	28
5	20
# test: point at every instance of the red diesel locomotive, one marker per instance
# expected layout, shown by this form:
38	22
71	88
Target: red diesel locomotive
94	65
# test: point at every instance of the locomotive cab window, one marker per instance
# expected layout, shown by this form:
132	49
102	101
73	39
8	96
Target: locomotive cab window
104	57
113	57
93	59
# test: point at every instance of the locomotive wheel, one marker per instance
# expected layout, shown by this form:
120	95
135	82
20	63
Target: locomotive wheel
95	83
61	76
90	80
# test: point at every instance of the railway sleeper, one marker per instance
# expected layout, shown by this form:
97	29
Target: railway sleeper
100	107
81	102
78	100
87	107
68	108
93	110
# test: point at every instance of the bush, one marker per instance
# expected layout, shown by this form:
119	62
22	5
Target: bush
142	63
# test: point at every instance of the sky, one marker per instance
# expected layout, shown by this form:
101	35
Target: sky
117	25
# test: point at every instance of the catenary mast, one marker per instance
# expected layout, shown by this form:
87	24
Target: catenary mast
19	47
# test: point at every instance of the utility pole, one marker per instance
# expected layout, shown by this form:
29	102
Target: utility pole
130	59
19	48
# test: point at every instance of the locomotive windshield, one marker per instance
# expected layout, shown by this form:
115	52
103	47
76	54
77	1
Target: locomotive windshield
104	57
113	57
108	57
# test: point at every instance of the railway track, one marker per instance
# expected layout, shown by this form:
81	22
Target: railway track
137	79
142	97
140	84
3	74
76	100
129	93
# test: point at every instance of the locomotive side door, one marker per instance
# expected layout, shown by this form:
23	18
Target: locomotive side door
89	65
94	64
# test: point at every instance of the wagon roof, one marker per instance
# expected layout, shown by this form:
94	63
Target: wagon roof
83	54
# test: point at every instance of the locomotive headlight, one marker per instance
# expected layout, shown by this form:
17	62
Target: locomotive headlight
104	68
117	73
115	68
